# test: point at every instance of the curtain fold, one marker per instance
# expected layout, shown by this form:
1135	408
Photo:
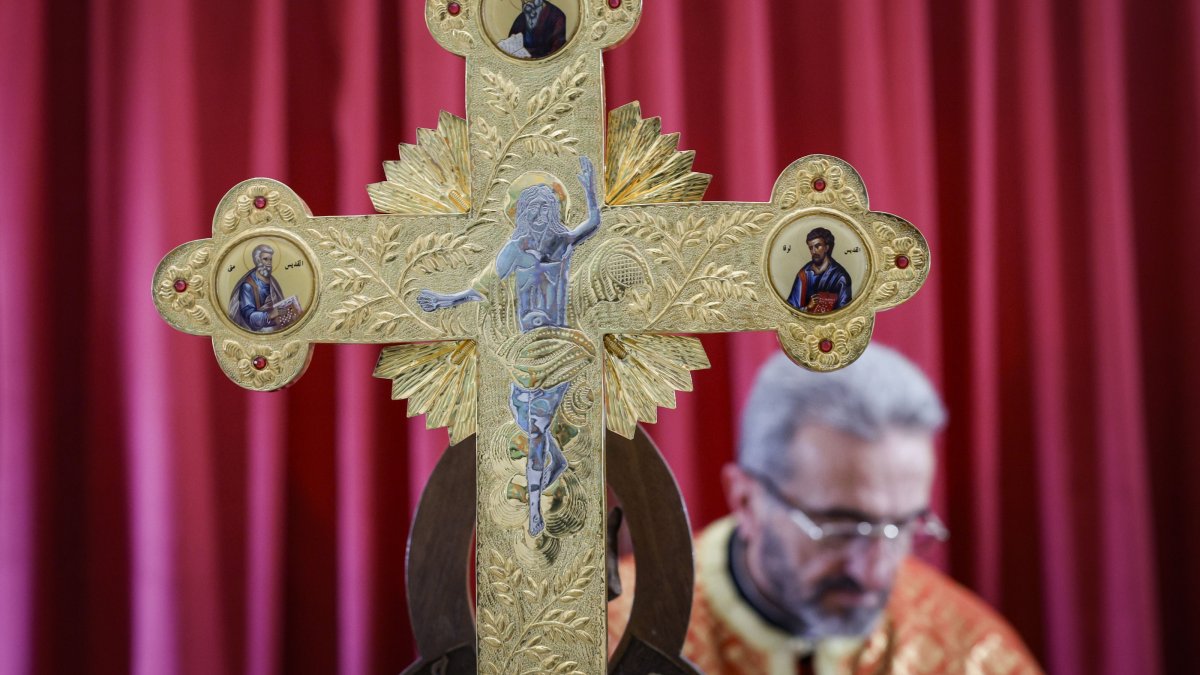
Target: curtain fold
1038	127
154	518
1129	627
22	133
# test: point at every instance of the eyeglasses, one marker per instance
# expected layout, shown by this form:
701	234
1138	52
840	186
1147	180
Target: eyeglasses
924	526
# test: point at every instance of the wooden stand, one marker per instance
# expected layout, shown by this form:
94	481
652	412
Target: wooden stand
438	576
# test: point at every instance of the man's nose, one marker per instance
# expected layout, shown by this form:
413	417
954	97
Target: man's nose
873	561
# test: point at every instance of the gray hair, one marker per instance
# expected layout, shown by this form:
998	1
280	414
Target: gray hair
258	251
879	391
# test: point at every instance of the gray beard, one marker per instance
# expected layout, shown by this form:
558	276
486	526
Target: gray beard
264	271
807	618
533	10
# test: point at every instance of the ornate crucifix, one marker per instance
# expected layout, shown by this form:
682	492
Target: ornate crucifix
537	267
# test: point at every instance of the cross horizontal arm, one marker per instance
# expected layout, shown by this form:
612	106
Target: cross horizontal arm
376	266
814	264
701	264
273	280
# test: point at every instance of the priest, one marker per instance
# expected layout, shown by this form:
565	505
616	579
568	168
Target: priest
812	570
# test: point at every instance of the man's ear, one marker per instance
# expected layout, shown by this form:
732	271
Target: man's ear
740	490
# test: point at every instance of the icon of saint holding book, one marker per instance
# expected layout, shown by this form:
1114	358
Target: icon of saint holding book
539	30
257	302
822	285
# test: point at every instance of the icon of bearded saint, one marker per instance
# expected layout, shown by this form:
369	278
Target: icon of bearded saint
257	302
822	285
538	31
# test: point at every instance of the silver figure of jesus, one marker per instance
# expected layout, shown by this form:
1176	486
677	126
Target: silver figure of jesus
538	257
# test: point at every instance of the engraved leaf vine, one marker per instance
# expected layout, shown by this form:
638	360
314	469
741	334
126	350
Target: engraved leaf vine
376	304
534	128
699	290
549	600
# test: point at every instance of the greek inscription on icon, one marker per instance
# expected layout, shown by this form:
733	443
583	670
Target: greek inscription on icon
260	295
538	258
806	273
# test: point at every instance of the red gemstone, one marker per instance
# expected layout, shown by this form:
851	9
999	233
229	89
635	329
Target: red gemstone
826	345
614	3
819	185
259	362
180	285
902	262
260	202
454	8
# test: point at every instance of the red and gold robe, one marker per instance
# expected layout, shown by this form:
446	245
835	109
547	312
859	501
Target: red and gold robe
931	626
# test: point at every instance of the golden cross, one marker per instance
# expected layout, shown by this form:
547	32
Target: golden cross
533	315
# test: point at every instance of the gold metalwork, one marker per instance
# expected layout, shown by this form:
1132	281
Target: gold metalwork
683	245
643	165
642	374
375	304
238	360
896	240
243	209
545	617
547	357
844	341
841	189
519	133
187	303
610	24
439	379
661	263
431	176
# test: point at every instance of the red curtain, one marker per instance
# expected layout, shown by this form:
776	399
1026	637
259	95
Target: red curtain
156	519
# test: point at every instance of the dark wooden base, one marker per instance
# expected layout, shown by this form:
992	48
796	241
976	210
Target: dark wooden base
438	579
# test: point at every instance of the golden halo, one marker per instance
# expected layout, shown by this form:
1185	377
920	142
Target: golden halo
529	179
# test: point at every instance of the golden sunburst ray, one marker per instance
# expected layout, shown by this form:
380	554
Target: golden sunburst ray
642	374
644	166
439	381
430	176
